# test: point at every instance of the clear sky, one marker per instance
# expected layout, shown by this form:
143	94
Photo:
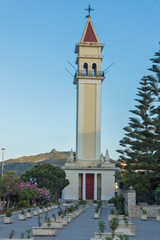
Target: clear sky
37	97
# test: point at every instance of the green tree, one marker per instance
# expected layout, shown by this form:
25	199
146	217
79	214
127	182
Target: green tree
9	190
46	175
136	159
155	83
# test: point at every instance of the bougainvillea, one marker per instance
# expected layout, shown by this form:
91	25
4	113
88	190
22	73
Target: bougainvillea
33	193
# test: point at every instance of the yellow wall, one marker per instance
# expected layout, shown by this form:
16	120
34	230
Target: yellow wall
93	51
89	121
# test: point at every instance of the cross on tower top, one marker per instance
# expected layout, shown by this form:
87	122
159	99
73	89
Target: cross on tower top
89	9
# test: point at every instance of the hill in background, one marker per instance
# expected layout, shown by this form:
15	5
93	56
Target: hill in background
23	164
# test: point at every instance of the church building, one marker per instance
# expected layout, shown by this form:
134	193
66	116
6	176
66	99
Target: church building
91	175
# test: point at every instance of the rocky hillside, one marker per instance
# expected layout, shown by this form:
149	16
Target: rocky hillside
22	164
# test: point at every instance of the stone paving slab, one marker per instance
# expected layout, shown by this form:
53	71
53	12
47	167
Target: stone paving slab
21	226
146	230
82	227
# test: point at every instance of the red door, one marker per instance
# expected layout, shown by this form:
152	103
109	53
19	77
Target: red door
89	186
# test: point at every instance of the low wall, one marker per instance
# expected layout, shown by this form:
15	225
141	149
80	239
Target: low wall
134	210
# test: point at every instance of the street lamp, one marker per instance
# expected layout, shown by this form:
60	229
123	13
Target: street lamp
3	149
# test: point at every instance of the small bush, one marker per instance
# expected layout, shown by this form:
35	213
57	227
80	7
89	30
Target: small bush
123	237
22	235
22	212
113	225
113	211
101	226
11	234
8	214
39	220
109	238
28	231
48	222
144	211
118	202
82	202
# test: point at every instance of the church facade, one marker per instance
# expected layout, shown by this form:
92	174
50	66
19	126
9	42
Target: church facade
91	174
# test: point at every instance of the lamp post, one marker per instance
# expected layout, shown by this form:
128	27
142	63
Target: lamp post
3	149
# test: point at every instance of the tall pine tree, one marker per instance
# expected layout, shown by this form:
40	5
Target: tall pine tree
155	83
138	144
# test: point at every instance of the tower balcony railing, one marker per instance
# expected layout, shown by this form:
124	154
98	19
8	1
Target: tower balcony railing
89	73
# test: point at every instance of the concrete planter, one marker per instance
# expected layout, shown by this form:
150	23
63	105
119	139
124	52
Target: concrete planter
40	211
56	225
55	206
77	213
49	208
102	236
122	221
128	230
158	218
8	220
35	213
69	216
22	217
16	239
74	214
45	209
144	217
96	215
62	220
120	217
28	214
69	219
44	231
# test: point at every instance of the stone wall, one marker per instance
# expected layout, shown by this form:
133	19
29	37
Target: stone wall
136	210
130	199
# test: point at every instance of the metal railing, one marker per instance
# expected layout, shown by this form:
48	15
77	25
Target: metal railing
90	73
150	197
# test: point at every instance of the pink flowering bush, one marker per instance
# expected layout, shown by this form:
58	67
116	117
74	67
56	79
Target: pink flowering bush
21	194
32	194
9	190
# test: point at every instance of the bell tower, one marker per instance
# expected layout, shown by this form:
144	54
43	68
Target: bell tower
88	80
91	175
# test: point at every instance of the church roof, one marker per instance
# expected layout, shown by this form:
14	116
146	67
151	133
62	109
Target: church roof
89	34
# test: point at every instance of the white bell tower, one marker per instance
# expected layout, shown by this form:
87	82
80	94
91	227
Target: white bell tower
88	80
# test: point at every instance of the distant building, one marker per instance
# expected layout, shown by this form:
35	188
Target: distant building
91	174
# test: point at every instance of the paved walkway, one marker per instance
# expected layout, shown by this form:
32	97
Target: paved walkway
81	228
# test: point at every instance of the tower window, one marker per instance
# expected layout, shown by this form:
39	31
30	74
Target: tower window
85	69
94	69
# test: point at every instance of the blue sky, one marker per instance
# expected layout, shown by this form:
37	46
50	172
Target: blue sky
37	97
